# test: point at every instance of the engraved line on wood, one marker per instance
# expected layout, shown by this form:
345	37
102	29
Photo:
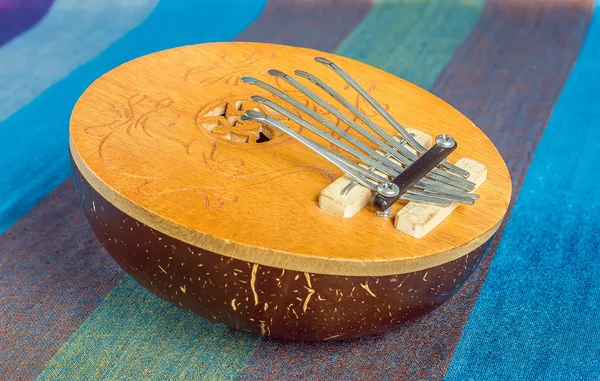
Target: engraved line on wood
225	64
166	102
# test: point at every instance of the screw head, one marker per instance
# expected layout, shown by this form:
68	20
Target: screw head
445	141
388	189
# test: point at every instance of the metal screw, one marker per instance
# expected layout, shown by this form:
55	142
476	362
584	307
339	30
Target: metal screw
385	214
388	189
445	141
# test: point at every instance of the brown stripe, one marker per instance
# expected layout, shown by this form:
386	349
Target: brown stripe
315	24
506	76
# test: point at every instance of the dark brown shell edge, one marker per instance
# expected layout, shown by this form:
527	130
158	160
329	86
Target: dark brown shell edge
265	300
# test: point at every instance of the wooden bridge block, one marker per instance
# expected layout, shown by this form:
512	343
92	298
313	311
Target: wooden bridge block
417	219
332	201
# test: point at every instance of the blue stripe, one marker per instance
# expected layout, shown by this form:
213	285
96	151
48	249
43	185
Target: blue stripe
33	148
72	33
538	314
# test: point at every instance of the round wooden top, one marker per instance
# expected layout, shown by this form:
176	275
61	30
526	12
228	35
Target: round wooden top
161	139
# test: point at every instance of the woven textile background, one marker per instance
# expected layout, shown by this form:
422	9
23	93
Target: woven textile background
525	71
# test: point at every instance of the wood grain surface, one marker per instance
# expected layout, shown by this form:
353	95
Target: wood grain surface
160	138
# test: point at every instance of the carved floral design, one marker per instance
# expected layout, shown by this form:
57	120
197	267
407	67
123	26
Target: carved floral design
156	125
226	69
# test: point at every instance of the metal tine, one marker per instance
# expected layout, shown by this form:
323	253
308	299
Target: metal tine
434	186
423	183
465	184
329	155
313	114
426	184
401	149
365	148
406	156
377	165
409	196
446	188
339	71
462	199
345	165
352	184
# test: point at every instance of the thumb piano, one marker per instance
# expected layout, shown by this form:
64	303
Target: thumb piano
285	191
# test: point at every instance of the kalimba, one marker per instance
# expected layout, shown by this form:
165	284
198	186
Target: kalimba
285	191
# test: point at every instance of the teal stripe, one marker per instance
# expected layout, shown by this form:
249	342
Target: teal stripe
34	139
537	317
116	342
413	40
72	33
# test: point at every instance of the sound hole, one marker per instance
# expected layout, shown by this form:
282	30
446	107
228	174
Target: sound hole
224	120
262	138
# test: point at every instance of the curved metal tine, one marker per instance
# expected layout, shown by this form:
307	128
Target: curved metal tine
381	132
365	148
449	189
462	183
347	166
327	154
352	184
424	184
358	178
386	115
366	159
429	186
442	176
405	154
308	111
449	179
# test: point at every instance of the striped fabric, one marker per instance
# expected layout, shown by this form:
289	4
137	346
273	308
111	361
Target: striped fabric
526	71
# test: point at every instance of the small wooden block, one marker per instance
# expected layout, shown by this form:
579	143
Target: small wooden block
424	139
416	219
332	201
